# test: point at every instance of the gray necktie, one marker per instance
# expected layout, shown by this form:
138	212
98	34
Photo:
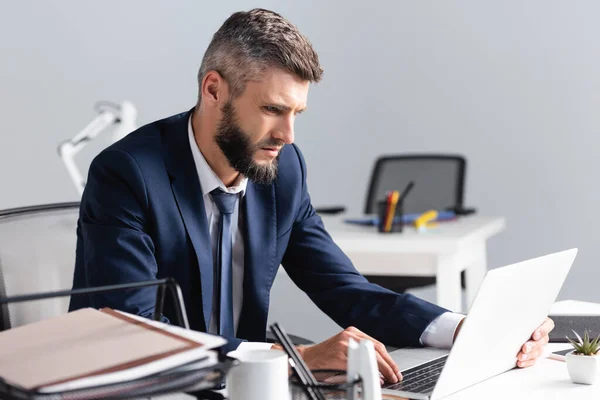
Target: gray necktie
226	204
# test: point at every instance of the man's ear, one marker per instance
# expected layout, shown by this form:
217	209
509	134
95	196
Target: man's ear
214	88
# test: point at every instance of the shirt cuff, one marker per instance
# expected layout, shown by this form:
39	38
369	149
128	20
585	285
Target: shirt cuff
440	332
249	346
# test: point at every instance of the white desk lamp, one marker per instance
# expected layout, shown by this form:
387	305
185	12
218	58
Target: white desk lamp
121	115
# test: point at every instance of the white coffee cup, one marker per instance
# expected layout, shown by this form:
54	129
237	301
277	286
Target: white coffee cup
261	375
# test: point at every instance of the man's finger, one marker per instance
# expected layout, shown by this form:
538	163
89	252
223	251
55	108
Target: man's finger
380	349
525	364
527	347
532	345
542	342
388	359
543	330
535	354
385	369
534	348
531	355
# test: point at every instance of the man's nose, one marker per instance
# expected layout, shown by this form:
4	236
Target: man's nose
285	131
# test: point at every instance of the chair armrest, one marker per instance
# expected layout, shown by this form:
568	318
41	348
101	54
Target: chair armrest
460	211
331	210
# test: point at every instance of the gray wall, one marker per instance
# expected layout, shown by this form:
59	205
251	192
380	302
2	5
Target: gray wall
512	85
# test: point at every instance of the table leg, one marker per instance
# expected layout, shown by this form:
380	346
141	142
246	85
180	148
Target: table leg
448	286
475	273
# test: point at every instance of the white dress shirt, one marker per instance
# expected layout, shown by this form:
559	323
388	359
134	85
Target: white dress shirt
439	333
210	181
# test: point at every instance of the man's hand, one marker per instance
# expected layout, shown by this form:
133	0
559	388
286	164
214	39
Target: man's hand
534	348
333	354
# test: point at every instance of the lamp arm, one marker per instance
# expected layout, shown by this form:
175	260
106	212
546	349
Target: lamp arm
123	115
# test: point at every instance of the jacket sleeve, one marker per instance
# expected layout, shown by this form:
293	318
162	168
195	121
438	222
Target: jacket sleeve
319	268
113	244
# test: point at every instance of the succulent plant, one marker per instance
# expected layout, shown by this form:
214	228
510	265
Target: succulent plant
585	346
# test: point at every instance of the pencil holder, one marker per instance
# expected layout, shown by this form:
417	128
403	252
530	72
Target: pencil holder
333	384
397	225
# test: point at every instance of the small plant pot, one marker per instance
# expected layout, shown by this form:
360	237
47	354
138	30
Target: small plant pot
583	369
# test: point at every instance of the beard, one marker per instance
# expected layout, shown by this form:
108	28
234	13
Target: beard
239	150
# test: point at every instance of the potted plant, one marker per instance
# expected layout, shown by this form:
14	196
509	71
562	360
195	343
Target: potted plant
583	361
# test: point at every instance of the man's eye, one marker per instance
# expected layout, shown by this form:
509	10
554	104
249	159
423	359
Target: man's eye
271	109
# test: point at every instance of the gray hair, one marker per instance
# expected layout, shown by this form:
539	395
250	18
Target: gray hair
248	42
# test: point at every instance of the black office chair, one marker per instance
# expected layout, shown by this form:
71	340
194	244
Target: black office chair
439	185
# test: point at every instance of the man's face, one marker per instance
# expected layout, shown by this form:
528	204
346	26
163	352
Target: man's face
256	125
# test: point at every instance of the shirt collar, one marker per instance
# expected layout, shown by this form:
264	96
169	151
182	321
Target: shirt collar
209	181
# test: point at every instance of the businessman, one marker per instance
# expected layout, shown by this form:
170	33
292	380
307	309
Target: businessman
216	198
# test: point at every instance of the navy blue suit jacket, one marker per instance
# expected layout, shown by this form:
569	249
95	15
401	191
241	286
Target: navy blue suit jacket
142	217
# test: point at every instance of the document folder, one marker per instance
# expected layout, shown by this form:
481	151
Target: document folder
202	377
80	344
106	353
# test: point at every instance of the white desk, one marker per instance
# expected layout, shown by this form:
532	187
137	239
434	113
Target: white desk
548	379
443	252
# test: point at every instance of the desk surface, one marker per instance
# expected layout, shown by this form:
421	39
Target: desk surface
444	238
548	379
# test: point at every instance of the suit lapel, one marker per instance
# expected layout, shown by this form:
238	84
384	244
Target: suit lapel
188	194
260	225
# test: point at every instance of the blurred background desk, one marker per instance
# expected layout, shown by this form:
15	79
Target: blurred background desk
442	252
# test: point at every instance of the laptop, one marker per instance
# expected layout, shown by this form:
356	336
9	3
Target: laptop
510	304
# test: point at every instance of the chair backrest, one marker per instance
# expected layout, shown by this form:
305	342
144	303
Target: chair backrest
37	254
439	181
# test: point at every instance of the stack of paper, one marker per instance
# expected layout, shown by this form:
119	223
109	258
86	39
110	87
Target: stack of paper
87	348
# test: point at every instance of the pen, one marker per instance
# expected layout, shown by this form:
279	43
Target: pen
388	206
406	191
392	211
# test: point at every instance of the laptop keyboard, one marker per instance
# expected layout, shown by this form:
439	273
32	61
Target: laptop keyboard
420	379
